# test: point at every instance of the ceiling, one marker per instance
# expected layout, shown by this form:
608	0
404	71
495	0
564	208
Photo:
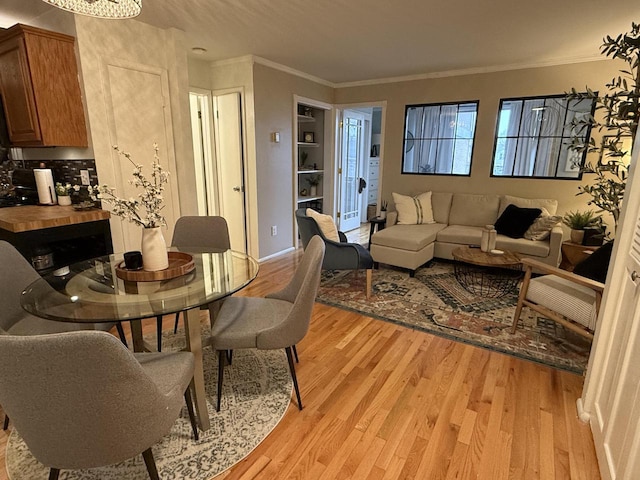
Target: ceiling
343	41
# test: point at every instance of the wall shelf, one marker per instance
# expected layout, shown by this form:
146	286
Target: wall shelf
307	144
305	119
302	172
309	199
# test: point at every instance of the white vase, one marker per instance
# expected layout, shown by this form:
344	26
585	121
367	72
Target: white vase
154	250
313	190
383	214
64	200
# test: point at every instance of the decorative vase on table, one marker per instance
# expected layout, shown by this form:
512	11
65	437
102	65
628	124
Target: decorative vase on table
64	200
577	236
313	190
154	250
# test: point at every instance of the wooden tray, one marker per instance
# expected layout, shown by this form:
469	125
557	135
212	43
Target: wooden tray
179	264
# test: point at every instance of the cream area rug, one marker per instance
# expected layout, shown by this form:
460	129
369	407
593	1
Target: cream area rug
256	393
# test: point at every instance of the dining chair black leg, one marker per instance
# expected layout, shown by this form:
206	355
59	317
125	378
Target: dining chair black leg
192	415
292	368
123	337
159	324
295	353
229	356
221	355
151	464
6	422
175	327
54	473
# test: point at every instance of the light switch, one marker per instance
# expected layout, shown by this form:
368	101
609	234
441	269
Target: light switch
275	137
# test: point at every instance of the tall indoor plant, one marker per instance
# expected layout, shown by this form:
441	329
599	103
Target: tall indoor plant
616	118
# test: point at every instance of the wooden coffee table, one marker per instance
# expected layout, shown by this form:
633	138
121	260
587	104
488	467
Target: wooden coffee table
486	274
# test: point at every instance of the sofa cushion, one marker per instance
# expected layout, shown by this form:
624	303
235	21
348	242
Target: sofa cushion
414	210
461	234
325	223
596	265
441	204
407	237
549	204
515	221
474	210
541	226
533	248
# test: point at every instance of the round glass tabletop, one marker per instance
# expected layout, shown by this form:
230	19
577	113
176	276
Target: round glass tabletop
92	291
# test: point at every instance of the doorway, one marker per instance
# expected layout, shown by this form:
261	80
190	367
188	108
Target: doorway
217	132
359	147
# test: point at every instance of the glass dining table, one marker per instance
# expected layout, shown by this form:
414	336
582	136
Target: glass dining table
93	291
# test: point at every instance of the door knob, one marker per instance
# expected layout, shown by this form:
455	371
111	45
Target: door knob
634	276
236	189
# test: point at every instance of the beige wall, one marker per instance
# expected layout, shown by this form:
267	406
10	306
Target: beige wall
488	88
274	91
162	54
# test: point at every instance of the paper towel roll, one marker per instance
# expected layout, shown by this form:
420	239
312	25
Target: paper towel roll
45	186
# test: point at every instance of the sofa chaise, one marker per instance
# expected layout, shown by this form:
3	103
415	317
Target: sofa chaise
459	220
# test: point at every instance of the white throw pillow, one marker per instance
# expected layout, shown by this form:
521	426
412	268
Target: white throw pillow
414	210
326	224
541	227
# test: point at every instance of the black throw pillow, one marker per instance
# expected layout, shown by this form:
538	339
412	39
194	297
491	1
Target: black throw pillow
514	221
595	266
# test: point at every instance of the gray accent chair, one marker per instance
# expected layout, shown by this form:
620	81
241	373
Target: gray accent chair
78	414
17	274
339	255
198	234
278	321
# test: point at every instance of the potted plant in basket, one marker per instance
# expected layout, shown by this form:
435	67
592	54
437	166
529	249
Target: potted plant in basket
577	221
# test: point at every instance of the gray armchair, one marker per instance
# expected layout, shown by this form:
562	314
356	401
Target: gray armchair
78	414
279	321
339	255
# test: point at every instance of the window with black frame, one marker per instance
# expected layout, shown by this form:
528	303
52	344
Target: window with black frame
438	138
533	136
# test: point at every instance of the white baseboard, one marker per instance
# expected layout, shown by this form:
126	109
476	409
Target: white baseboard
277	254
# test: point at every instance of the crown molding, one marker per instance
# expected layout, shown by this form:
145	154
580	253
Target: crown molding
470	71
253	59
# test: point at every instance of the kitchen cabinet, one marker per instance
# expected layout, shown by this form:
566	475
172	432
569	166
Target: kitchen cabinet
40	89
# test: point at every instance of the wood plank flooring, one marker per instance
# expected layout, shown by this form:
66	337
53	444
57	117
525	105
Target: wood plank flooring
384	402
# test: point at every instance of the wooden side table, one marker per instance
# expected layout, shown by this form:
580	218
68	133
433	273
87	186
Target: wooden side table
380	222
574	253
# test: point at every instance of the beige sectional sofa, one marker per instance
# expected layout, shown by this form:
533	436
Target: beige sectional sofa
459	221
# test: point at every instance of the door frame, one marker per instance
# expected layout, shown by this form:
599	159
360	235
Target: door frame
363	167
250	188
336	153
328	203
602	358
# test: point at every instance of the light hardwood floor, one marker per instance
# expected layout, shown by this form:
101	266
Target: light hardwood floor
385	402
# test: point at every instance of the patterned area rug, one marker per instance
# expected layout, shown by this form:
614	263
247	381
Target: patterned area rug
434	302
256	394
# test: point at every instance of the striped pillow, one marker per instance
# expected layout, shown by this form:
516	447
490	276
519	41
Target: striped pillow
414	210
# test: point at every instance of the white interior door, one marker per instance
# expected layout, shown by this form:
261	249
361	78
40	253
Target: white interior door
350	167
612	389
230	166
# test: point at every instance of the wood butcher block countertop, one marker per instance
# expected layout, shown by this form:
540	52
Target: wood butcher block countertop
36	217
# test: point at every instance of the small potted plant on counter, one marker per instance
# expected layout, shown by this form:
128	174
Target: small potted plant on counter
577	221
64	193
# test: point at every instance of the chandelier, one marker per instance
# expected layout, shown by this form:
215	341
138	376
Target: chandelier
100	8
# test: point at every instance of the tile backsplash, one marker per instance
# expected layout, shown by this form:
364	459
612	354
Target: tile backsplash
66	171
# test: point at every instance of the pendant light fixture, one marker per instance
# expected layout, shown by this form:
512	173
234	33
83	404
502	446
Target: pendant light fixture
100	8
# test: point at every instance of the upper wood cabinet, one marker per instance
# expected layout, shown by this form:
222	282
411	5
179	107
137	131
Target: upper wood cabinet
39	88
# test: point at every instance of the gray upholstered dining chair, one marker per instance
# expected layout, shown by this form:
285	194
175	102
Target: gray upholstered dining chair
198	234
78	414
340	255
279	321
